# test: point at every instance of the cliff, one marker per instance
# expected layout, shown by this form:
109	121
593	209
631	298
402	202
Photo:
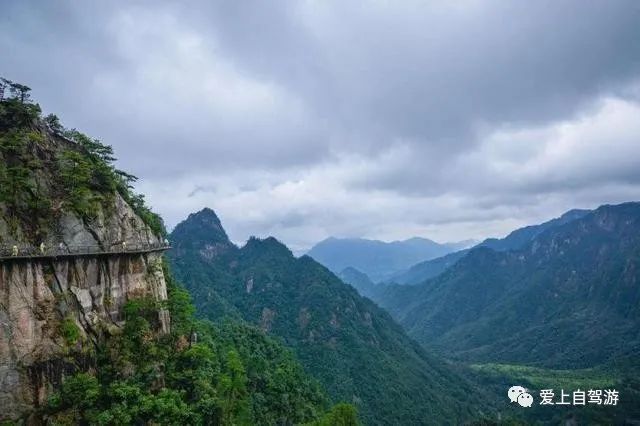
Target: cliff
59	300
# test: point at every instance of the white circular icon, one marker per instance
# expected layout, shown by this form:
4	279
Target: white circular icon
525	399
515	392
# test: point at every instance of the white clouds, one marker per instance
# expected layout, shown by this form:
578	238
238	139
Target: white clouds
599	147
514	177
385	120
193	103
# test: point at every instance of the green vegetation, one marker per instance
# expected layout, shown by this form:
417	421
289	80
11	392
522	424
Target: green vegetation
94	175
350	345
33	147
567	299
90	179
69	331
198	374
76	172
340	415
517	239
544	378
623	377
19	189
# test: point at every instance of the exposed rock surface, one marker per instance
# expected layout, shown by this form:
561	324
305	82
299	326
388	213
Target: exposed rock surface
67	195
40	298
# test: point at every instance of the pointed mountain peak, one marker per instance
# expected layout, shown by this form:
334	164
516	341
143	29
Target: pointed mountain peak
200	229
267	245
205	214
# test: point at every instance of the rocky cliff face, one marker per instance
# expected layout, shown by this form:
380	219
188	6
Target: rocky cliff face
54	309
50	308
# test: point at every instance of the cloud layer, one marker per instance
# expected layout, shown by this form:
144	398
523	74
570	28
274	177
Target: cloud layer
450	120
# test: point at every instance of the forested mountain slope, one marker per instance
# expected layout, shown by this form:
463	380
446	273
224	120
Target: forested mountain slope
568	298
517	239
353	347
358	280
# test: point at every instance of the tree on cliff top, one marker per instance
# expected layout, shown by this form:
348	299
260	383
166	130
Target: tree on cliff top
88	178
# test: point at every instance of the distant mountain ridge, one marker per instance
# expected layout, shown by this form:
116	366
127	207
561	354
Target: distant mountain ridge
378	259
358	280
354	348
423	271
568	298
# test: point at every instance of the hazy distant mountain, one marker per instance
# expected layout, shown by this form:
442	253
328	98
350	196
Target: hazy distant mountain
569	297
353	347
358	280
461	245
378	259
423	271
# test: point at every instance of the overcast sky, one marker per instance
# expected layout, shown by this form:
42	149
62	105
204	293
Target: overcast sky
383	119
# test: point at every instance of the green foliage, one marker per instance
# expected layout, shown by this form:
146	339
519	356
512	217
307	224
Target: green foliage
81	390
88	179
17	184
15	109
75	400
76	172
54	124
232	389
517	239
497	378
340	415
541	378
280	389
19	189
69	331
138	204
350	345
566	299
179	304
198	374
18	92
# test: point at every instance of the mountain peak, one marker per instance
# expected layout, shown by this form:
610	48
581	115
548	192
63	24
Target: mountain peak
321	318
205	214
378	259
417	242
200	229
586	266
267	245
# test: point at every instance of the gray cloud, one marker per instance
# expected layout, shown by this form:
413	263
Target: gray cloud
380	119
